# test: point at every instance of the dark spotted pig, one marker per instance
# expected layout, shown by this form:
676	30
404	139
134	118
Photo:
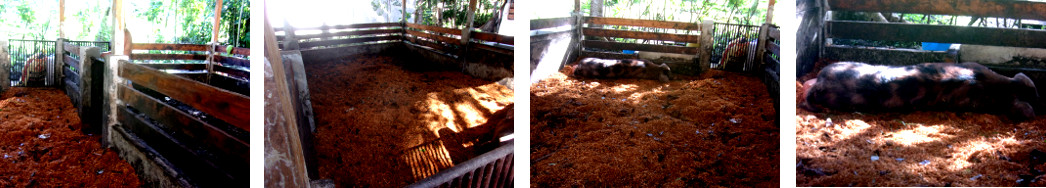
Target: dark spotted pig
626	68
852	86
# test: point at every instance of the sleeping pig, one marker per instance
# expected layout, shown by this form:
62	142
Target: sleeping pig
853	86
625	68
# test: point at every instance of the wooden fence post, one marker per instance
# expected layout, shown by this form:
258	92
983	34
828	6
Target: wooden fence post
59	62
89	75
706	46
5	67
290	42
760	50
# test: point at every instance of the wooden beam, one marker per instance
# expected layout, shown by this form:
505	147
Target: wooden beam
641	35
61	18
493	37
435	29
642	23
937	33
227	106
323	43
170	47
639	47
705	53
351	33
282	140
536	24
351	26
606	55
118	25
440	38
1020	9
137	57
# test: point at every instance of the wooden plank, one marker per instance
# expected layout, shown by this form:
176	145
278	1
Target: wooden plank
350	26
232	61
436	29
233	72
639	47
327	54
549	36
73	91
937	33
642	23
641	35
439	47
228	147
775	33
73	76
550	23
137	57
170	47
492	49
71	48
227	106
605	55
882	56
493	37
444	39
1022	9
307	45
193	164
71	62
351	33
773	48
240	86
235	50
176	66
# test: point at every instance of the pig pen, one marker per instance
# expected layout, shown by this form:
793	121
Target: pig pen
717	128
920	148
394	106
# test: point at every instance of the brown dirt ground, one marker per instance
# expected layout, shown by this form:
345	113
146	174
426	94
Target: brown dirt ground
379	125
917	149
41	145
645	133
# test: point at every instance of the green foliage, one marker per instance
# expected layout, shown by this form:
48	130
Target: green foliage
444	13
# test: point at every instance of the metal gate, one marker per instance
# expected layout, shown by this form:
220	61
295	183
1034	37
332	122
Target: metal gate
724	33
39	55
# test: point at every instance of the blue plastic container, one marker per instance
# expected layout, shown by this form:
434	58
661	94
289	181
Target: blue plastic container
933	46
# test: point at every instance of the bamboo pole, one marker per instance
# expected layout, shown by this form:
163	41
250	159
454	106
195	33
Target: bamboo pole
214	39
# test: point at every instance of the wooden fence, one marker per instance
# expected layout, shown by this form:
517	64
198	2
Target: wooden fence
492	169
191	126
651	36
927	32
768	54
81	69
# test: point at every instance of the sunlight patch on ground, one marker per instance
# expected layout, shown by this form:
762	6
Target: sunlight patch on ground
851	128
968	151
919	134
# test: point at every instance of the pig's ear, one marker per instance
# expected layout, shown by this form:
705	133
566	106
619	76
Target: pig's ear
1023	79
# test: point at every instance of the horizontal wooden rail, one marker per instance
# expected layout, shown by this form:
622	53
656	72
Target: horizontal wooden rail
171	47
640	35
493	37
639	47
350	33
936	33
230	107
550	23
643	23
311	44
232	61
350	26
436	29
199	57
430	44
1021	9
445	39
